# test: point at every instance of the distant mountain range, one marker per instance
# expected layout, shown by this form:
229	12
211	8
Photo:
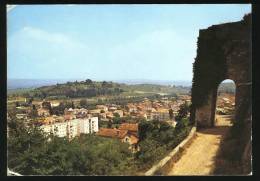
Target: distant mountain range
34	83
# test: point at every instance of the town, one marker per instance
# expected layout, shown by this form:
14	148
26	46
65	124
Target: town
103	121
109	120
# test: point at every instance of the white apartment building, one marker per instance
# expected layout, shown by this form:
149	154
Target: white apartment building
94	124
88	125
47	128
84	125
72	128
60	129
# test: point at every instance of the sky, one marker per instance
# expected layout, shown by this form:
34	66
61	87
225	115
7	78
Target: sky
109	42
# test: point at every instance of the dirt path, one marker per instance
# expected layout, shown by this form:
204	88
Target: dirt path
199	156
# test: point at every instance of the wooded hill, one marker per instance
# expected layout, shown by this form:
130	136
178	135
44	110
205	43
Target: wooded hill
91	88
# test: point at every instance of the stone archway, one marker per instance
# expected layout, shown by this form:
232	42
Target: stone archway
224	52
223	106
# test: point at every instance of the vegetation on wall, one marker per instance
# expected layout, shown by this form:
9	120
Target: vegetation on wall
215	44
209	68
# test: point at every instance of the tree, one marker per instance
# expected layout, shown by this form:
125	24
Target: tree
30	100
158	137
183	112
72	105
43	95
46	105
143	128
88	81
183	123
34	112
83	103
17	104
22	141
59	110
116	115
30	153
150	151
171	113
117	120
109	124
164	126
104	84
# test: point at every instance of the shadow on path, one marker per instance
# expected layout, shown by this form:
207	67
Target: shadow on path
218	130
200	157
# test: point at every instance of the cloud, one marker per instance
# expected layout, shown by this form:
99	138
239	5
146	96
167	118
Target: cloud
30	40
46	51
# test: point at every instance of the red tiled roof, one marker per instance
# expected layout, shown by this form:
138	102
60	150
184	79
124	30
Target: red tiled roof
68	117
129	127
134	139
113	133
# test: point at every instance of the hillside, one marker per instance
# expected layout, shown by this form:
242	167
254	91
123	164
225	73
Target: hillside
91	88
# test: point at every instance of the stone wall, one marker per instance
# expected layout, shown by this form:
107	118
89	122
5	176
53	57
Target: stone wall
224	52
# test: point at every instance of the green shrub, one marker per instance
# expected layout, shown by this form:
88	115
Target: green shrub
158	138
29	153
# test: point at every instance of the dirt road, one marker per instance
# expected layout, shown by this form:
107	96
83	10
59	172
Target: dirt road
199	156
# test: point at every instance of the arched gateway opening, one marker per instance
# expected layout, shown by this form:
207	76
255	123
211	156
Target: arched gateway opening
225	104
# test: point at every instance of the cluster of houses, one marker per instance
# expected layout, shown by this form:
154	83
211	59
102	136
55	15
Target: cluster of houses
147	109
156	109
83	121
225	104
127	133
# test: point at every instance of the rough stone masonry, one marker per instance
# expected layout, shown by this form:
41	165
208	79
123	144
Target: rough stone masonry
224	52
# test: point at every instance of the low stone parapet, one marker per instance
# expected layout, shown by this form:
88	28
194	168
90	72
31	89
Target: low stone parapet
164	166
